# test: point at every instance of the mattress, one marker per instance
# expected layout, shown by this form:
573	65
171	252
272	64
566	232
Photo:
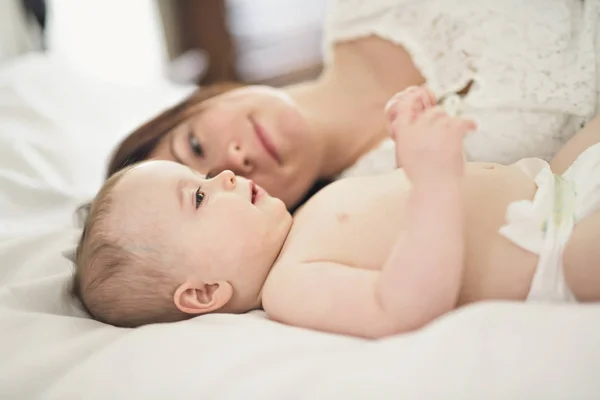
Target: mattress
56	131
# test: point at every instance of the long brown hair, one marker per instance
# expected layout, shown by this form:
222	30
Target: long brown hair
138	145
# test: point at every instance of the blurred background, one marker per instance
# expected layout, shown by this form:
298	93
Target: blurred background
185	41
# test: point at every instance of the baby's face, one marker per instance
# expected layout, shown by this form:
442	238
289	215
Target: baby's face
224	228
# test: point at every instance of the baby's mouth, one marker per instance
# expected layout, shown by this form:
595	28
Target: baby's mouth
253	192
256	192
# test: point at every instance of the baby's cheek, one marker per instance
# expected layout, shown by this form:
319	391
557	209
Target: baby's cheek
235	233
253	241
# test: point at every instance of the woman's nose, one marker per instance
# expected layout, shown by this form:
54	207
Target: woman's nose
237	159
227	179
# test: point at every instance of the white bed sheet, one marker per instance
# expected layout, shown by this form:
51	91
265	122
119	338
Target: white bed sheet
56	130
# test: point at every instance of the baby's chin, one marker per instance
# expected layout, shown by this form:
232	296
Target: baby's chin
276	237
279	210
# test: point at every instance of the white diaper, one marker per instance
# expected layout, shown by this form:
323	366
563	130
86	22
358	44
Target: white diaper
543	226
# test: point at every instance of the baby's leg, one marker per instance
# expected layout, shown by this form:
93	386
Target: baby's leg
581	259
585	138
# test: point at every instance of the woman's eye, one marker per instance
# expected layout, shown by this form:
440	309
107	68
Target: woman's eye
195	145
199	197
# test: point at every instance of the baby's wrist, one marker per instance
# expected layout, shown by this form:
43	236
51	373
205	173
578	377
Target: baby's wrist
437	180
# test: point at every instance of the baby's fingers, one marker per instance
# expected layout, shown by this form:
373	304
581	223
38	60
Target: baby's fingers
465	125
438	116
429	98
434	114
409	103
399	103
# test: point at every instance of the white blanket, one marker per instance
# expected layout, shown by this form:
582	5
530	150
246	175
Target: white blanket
56	130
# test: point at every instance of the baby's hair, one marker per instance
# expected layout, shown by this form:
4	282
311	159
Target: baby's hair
118	281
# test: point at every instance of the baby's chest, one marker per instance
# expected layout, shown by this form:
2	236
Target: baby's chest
355	225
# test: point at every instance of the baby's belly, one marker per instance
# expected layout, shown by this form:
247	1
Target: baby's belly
495	268
357	221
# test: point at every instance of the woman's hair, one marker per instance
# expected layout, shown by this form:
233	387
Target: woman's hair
140	143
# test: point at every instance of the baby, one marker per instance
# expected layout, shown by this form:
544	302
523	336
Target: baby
369	257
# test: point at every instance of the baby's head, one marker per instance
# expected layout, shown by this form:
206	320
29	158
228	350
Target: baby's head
162	243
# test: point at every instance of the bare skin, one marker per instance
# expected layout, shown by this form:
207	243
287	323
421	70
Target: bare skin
346	101
582	252
367	257
404	248
324	127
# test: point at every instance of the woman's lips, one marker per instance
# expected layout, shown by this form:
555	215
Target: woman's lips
265	141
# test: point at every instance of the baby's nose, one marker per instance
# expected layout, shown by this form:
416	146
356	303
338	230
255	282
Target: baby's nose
227	179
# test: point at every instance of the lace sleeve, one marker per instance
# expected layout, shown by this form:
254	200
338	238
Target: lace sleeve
506	136
535	64
516	53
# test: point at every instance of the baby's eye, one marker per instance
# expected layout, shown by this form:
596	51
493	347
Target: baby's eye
195	145
199	197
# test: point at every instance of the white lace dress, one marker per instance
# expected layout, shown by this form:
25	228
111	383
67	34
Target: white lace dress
534	65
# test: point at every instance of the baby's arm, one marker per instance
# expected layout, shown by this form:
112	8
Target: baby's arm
329	297
421	279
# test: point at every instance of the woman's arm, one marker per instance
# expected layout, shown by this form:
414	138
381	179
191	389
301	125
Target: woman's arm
588	136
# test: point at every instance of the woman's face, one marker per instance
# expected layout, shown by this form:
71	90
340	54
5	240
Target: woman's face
257	132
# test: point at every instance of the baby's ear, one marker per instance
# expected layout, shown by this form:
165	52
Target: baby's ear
201	297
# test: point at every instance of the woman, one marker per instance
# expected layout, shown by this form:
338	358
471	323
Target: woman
528	79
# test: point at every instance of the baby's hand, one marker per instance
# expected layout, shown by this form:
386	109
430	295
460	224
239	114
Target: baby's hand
410	103
428	141
407	105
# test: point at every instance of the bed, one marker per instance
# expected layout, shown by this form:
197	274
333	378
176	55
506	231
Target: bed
56	131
